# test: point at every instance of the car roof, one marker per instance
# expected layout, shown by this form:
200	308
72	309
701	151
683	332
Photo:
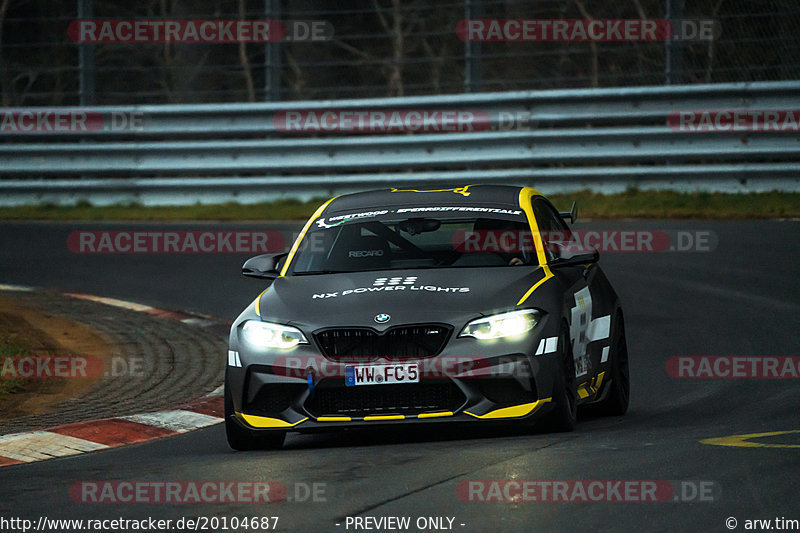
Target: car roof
467	195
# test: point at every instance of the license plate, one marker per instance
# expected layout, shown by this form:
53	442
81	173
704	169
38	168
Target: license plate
381	374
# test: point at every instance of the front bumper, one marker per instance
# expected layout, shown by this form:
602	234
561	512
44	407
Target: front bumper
304	391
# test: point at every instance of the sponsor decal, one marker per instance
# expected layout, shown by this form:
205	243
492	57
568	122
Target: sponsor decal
233	359
463	191
384	284
547	345
462	209
333	221
583	330
399	280
365	253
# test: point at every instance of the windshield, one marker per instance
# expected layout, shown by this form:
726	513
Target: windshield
384	243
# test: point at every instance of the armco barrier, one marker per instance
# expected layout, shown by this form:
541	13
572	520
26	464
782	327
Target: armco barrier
602	139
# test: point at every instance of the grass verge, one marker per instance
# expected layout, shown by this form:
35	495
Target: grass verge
630	204
11	348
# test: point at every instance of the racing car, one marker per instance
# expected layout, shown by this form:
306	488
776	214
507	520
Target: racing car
426	306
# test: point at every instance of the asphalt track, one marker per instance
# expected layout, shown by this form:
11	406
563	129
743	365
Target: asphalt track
741	299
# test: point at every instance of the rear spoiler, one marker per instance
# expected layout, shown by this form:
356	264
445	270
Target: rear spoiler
572	214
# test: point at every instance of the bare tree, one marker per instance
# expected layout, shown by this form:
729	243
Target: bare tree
297	81
397	35
592	46
5	84
247	72
710	51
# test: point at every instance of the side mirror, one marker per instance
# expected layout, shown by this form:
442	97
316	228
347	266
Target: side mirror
572	214
264	266
571	256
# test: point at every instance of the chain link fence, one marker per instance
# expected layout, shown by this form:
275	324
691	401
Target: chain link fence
378	48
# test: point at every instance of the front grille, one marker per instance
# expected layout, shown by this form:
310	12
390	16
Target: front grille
398	342
403	399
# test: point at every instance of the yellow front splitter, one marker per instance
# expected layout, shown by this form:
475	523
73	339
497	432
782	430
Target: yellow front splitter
515	411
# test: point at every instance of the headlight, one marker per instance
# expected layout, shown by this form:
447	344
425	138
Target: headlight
268	335
505	325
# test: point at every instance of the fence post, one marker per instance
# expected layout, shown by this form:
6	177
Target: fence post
673	49
86	70
472	50
272	56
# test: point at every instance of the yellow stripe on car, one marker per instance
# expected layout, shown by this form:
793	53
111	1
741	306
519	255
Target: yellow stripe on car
267	422
525	195
586	389
515	411
547	275
296	245
434	415
258	302
464	191
599	380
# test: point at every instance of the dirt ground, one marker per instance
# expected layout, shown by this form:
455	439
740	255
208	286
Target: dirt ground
31	326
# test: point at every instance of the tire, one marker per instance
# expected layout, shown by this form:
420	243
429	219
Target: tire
565	389
618	397
242	439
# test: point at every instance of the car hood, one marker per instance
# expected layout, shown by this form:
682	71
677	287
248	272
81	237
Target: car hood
407	296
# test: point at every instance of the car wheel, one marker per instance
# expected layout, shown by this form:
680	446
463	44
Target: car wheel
242	439
564	413
618	397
